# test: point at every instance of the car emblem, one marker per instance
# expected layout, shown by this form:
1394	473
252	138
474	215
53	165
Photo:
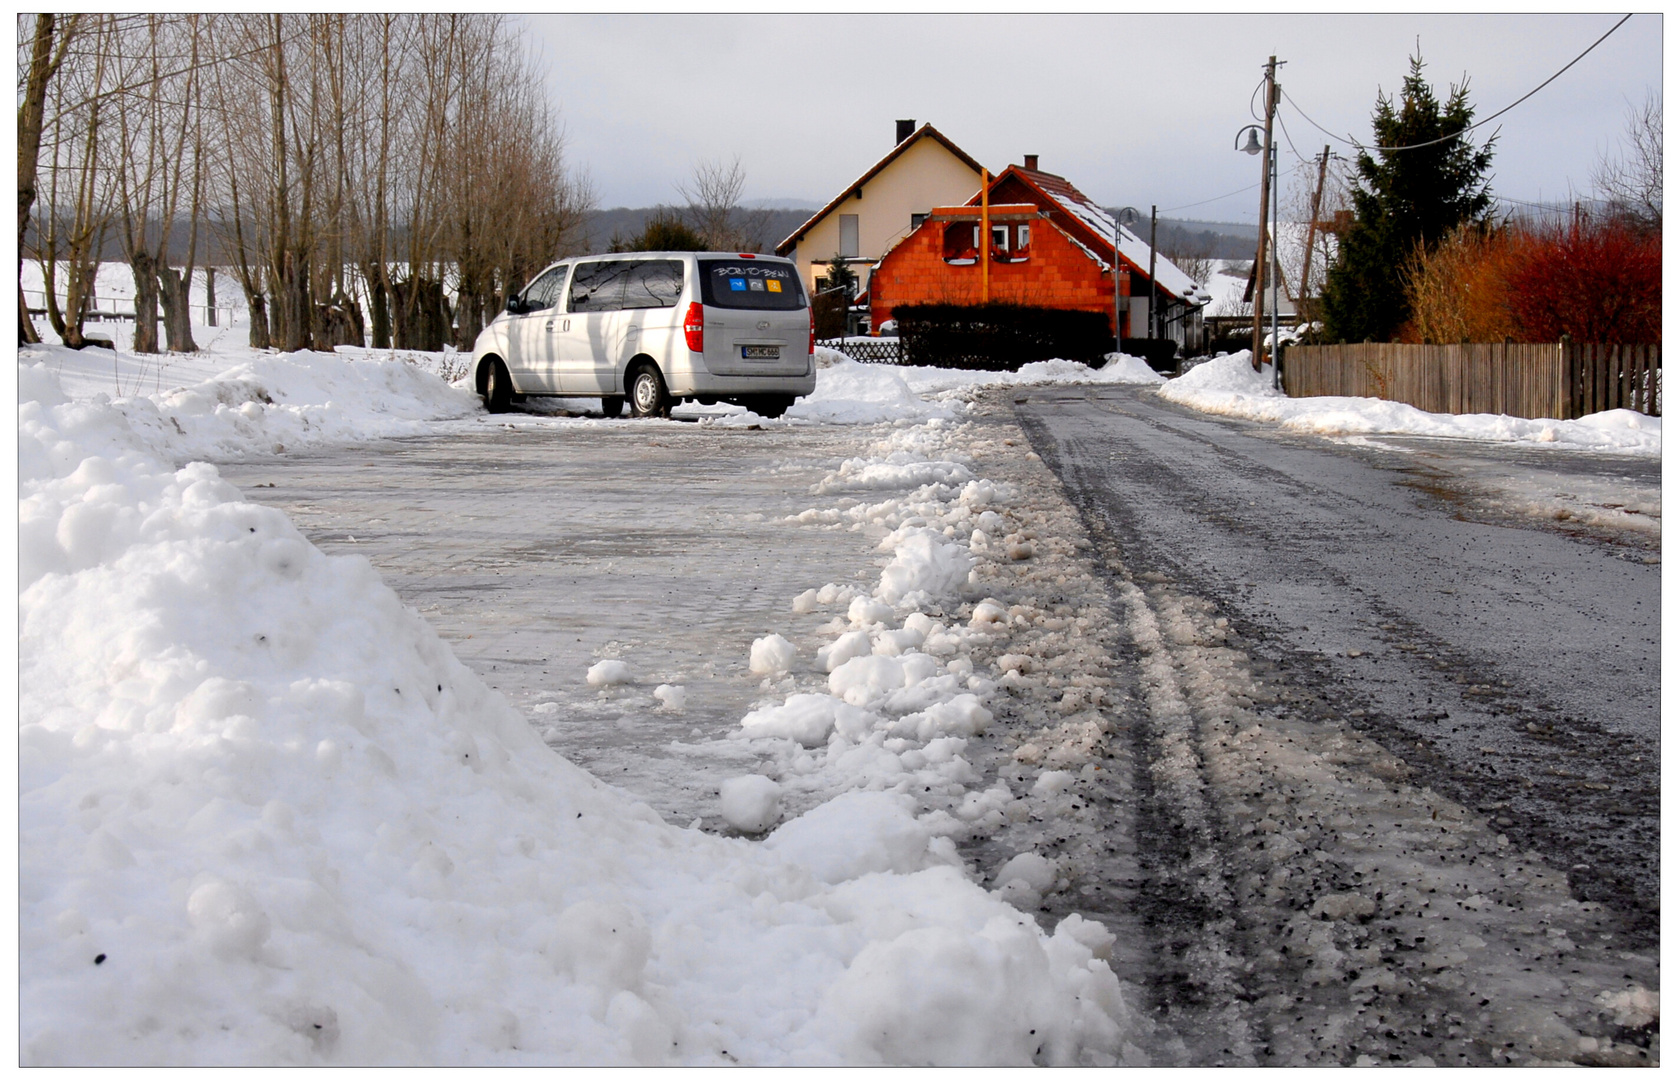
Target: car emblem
763	325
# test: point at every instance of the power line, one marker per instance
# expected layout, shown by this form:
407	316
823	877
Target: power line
1218	198
1465	131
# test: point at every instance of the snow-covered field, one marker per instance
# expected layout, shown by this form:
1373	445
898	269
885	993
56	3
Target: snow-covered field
267	817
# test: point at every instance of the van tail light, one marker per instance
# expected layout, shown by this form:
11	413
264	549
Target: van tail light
811	330
694	326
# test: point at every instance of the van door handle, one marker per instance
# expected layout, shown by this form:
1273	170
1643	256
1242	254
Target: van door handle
566	325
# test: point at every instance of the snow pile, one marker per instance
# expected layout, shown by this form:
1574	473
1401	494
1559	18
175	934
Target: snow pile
1228	385
900	696
267	817
271	404
852	393
848	392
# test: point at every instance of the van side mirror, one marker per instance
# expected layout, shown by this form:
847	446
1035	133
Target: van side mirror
514	305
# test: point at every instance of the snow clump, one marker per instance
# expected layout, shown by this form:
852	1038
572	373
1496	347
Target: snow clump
771	655
609	673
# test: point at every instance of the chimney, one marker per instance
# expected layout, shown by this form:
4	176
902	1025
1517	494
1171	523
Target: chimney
904	129
1032	162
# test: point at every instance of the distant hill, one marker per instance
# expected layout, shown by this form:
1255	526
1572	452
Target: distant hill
1209	239
771	224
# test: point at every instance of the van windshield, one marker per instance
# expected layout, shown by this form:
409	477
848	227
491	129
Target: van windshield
745	283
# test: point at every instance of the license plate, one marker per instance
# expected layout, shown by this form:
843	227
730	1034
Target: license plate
761	352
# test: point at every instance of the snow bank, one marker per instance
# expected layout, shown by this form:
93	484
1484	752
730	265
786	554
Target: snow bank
847	392
274	403
267	817
1228	385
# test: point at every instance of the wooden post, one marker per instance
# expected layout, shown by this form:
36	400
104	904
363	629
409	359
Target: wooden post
983	243
1262	223
1308	248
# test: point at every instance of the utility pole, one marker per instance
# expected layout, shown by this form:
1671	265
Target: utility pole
983	241
1314	218
1116	278
1151	303
1262	221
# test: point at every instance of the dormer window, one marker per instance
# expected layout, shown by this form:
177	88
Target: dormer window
1010	242
959	243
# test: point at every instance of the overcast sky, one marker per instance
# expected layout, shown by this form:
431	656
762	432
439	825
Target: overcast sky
1132	109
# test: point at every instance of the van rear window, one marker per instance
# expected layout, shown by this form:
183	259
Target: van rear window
744	283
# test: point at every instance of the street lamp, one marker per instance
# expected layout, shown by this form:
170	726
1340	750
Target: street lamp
1126	216
1269	203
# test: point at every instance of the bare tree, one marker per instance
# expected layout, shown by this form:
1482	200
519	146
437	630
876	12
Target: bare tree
1632	183
712	197
70	221
48	46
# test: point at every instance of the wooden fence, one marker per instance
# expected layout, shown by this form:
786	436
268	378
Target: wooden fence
1562	381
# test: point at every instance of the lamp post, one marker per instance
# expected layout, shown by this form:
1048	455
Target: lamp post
1126	216
1269	205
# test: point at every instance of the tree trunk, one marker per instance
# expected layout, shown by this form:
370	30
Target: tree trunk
380	312
31	114
176	297
421	315
258	306
209	297
145	301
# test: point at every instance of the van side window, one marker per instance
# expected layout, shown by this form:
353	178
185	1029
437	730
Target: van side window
654	284
597	286
544	291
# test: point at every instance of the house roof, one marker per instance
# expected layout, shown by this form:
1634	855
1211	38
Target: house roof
925	131
1098	227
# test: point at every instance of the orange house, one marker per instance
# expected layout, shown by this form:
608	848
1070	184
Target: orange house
1049	246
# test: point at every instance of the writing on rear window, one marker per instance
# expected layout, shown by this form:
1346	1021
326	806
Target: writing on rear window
761	286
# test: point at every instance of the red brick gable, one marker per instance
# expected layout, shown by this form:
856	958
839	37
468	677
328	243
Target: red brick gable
1060	271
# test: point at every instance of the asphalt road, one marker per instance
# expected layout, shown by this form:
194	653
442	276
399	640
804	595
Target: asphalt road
1419	590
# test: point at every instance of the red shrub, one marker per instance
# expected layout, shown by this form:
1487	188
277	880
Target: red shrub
1599	282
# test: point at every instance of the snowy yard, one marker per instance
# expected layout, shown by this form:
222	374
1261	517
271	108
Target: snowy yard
268	816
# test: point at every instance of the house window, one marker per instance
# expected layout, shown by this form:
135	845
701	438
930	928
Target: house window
849	235
959	242
998	240
1023	240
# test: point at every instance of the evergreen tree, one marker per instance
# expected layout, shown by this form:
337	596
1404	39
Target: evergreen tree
1404	199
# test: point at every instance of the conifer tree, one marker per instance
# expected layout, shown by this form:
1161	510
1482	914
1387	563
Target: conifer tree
1404	199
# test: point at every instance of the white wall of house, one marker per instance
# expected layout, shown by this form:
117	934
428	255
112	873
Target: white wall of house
926	175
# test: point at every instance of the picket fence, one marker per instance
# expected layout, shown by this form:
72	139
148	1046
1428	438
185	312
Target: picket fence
1562	381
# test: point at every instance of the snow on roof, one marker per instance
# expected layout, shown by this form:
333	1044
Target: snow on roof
1170	278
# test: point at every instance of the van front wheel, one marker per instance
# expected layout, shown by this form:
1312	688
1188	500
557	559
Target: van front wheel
647	395
497	388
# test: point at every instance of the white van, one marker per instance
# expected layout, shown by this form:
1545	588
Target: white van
652	329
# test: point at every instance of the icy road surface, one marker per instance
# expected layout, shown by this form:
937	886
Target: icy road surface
1285	889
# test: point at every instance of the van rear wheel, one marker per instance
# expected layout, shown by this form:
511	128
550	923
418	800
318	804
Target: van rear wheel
770	406
647	395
